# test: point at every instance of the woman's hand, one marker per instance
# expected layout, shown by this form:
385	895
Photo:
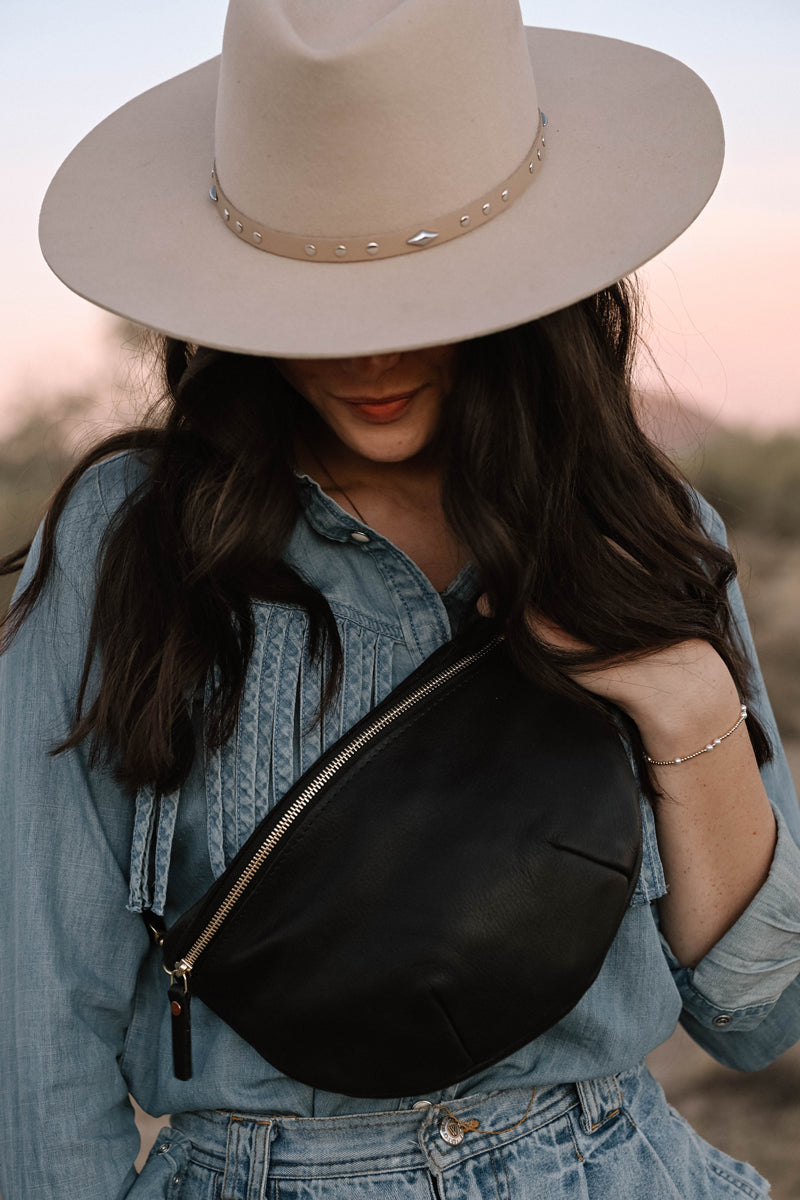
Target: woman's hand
716	830
677	696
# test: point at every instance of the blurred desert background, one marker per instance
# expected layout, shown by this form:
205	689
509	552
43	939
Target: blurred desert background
754	481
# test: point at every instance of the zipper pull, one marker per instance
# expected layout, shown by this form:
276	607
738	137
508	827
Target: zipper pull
179	1006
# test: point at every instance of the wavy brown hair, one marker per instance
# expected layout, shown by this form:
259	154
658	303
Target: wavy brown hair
561	501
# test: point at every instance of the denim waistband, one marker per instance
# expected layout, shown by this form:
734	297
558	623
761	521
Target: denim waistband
433	1135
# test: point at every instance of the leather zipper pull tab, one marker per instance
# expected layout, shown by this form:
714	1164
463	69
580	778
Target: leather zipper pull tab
179	1007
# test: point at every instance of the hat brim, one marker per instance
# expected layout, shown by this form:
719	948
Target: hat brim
634	150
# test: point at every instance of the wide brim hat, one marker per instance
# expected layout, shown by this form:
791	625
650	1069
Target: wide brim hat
387	174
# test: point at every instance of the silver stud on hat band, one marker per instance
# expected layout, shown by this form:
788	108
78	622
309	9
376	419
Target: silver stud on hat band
462	220
423	238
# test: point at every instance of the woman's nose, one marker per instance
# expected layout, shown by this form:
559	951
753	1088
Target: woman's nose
370	366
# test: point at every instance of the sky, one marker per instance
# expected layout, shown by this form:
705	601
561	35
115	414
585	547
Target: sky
723	299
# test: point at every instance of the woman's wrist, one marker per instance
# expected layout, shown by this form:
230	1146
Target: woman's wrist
680	733
708	748
683	700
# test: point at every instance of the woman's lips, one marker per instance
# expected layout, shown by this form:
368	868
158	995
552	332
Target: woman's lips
380	410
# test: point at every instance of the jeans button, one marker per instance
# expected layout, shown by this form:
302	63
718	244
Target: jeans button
164	1148
419	1104
450	1131
723	1019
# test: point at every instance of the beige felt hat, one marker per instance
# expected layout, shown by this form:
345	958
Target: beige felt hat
388	174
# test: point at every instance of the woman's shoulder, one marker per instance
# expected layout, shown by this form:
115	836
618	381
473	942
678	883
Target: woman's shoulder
94	500
102	488
709	518
101	491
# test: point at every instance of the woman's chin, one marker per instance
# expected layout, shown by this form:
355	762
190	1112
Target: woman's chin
388	442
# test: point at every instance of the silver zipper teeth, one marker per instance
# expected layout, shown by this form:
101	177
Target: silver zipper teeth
189	960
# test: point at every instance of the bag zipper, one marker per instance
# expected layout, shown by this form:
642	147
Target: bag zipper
182	969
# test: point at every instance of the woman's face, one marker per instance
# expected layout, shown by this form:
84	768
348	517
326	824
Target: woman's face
383	407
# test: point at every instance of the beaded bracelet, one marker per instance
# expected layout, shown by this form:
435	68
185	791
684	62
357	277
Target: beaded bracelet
673	762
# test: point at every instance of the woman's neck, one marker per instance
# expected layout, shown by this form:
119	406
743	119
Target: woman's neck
400	500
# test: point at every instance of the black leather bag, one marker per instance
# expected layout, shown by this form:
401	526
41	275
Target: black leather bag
440	888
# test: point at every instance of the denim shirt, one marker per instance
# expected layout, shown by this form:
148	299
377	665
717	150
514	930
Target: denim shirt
83	995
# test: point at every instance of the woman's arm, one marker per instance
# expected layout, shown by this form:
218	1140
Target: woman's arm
70	951
716	829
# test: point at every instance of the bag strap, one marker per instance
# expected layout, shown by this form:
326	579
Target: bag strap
155	924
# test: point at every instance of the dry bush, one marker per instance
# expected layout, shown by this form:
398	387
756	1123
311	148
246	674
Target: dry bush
33	459
755	485
753	482
56	430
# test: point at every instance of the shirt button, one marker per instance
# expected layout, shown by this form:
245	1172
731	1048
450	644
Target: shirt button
451	1132
358	536
722	1020
423	1104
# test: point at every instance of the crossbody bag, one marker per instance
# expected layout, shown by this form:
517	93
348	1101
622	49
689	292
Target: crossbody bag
437	890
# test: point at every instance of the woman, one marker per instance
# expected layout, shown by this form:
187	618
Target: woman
333	489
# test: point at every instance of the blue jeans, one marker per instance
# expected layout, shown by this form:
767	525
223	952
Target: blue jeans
614	1137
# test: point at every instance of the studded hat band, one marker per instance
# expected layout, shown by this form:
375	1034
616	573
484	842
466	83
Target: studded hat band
361	249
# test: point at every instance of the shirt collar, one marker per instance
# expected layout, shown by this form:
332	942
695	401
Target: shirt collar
323	514
330	520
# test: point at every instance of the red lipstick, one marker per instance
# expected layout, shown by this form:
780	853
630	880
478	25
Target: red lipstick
379	410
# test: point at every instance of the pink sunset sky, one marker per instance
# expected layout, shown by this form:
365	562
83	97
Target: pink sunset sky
723	297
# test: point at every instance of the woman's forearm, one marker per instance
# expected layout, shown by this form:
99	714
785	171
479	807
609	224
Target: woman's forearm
716	829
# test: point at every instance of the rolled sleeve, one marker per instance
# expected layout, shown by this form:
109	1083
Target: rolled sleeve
740	979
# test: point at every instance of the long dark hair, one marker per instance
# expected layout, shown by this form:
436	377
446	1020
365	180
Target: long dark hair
561	501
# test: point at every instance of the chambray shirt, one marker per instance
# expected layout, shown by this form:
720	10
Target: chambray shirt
85	1018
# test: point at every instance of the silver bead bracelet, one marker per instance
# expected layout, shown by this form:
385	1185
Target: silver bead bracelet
673	762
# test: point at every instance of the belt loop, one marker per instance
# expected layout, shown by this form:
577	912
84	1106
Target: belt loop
263	1134
230	1180
600	1099
247	1159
